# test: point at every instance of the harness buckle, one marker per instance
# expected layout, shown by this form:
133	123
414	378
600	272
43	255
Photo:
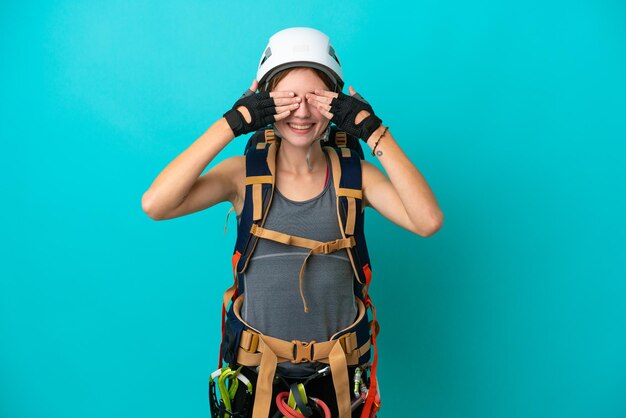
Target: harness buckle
348	342
249	341
254	343
302	351
343	341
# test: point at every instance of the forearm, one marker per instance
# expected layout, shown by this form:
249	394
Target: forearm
172	185
417	198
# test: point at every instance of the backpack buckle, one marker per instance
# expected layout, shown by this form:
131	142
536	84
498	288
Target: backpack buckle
302	351
270	136
330	247
341	139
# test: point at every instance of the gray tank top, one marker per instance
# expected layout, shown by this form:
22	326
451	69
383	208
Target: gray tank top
272	302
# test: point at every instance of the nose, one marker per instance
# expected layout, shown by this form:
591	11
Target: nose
303	111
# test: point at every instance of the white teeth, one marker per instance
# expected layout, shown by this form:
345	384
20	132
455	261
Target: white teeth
300	126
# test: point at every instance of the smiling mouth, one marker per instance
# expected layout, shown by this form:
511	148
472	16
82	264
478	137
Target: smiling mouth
300	127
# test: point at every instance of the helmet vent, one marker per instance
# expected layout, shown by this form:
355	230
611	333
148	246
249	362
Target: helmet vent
331	52
268	53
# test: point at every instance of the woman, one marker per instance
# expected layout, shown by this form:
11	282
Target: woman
300	81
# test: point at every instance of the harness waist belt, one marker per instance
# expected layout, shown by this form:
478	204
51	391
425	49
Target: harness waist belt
256	349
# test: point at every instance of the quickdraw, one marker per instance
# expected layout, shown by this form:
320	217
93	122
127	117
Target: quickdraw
361	392
227	381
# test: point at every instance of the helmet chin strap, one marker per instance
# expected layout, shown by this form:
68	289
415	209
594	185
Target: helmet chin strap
323	137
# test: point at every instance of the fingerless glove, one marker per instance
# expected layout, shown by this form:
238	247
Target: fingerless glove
345	108
262	110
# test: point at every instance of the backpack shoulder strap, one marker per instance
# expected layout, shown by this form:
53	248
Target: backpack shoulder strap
347	178
347	181
260	155
260	169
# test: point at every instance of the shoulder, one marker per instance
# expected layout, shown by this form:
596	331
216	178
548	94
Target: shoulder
236	163
367	166
238	170
372	177
370	173
231	169
230	173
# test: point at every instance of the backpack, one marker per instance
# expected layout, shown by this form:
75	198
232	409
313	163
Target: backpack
243	345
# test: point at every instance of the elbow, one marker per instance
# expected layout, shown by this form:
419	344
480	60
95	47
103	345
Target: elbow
149	207
435	225
432	230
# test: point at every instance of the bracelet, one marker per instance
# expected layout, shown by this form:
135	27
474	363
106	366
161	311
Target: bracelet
378	140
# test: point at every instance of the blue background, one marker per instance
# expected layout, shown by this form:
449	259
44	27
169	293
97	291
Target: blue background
515	112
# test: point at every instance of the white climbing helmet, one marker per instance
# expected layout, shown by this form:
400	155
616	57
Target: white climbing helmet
299	47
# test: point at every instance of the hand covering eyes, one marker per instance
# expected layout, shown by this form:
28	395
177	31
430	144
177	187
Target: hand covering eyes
262	109
345	109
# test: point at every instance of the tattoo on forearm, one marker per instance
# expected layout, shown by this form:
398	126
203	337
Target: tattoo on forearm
379	153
